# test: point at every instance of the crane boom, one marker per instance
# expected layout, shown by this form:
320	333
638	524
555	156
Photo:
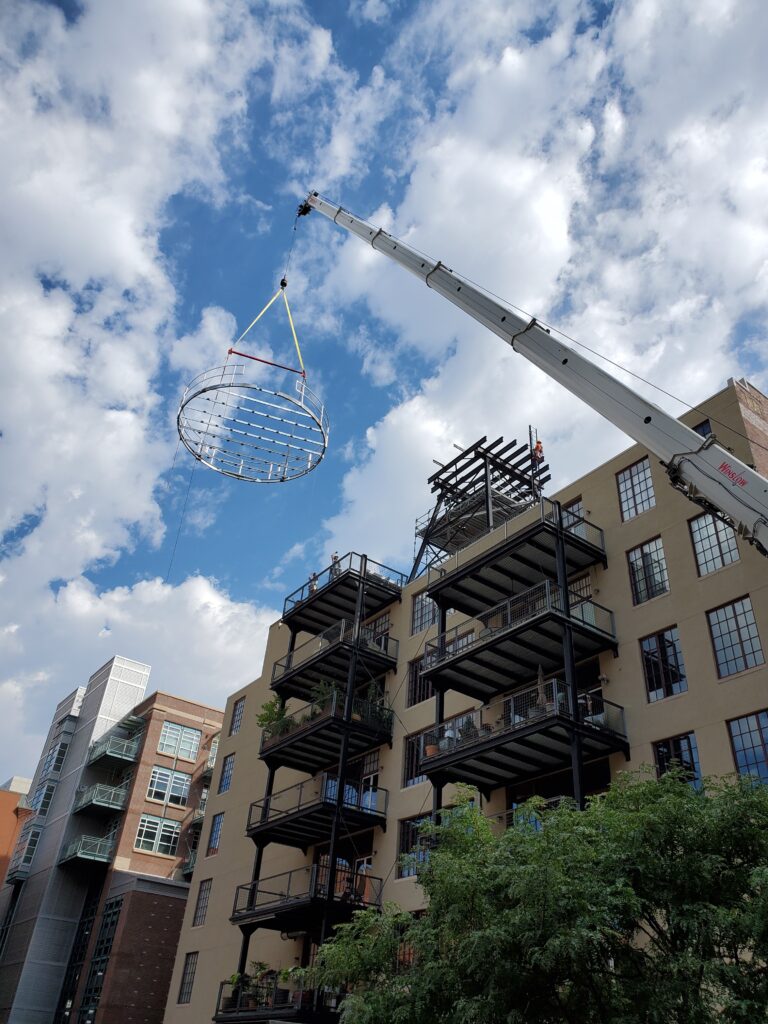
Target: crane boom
699	467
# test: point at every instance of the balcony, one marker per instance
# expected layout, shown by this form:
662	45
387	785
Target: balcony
101	799
17	872
208	767
527	556
198	815
188	866
326	658
297	900
332	595
509	643
115	750
274	1001
310	738
301	816
89	848
521	737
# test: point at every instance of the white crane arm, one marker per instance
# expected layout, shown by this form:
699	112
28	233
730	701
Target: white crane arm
699	467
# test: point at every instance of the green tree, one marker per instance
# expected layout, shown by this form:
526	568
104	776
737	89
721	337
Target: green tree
649	907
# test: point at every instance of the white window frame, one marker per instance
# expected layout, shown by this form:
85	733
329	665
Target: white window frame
179	741
154	833
172	787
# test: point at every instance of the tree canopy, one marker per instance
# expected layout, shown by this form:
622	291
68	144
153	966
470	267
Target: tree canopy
648	907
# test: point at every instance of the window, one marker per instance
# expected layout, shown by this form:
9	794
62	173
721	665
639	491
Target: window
423	613
663	666
170	787
179	741
635	489
54	759
32	839
419	689
678	751
413	848
714	543
573	518
187	978
100	960
749	737
157	835
227	767
214	838
237	716
735	638
704	428
41	801
411	768
648	571
201	906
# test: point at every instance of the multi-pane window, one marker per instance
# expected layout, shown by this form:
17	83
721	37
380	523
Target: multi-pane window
32	839
237	716
663	665
187	978
157	835
735	638
214	839
170	787
54	759
635	489
201	906
678	752
749	736
227	767
413	847
179	741
648	571
41	801
573	517
419	689
411	757
423	613
100	960
714	543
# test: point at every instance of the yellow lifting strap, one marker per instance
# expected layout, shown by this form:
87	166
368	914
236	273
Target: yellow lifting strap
290	321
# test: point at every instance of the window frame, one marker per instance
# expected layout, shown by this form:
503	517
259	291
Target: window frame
184	732
214	835
719	526
413	823
227	770
417	687
201	903
187	980
236	721
421	619
693	752
172	781
746	667
667	687
412	758
634	490
163	826
763	740
637	599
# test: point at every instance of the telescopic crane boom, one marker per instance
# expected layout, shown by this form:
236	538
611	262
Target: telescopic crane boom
699	467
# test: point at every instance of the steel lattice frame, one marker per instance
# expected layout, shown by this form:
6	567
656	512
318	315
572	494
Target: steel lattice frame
247	431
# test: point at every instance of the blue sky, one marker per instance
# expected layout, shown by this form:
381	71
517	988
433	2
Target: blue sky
602	165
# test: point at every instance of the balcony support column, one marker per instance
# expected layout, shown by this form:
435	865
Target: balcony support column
255	874
437	789
577	755
349	697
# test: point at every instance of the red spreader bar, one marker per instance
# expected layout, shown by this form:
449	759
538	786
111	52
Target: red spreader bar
267	362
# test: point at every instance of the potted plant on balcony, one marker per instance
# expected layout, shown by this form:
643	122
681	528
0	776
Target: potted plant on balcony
430	744
273	718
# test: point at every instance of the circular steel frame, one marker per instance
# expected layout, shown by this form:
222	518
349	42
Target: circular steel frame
247	431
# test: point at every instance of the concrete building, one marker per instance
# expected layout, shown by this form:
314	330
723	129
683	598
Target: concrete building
95	892
14	811
541	645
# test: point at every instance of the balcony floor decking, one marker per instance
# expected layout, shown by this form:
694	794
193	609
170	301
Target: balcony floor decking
330	664
523	560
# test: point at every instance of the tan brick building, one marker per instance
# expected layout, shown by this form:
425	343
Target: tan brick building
548	643
95	893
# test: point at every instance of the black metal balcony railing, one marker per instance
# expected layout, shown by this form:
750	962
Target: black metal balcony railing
339	633
112	798
115	748
364	712
292	890
573	525
522	816
322	789
519	711
189	864
544	599
272	999
351	562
